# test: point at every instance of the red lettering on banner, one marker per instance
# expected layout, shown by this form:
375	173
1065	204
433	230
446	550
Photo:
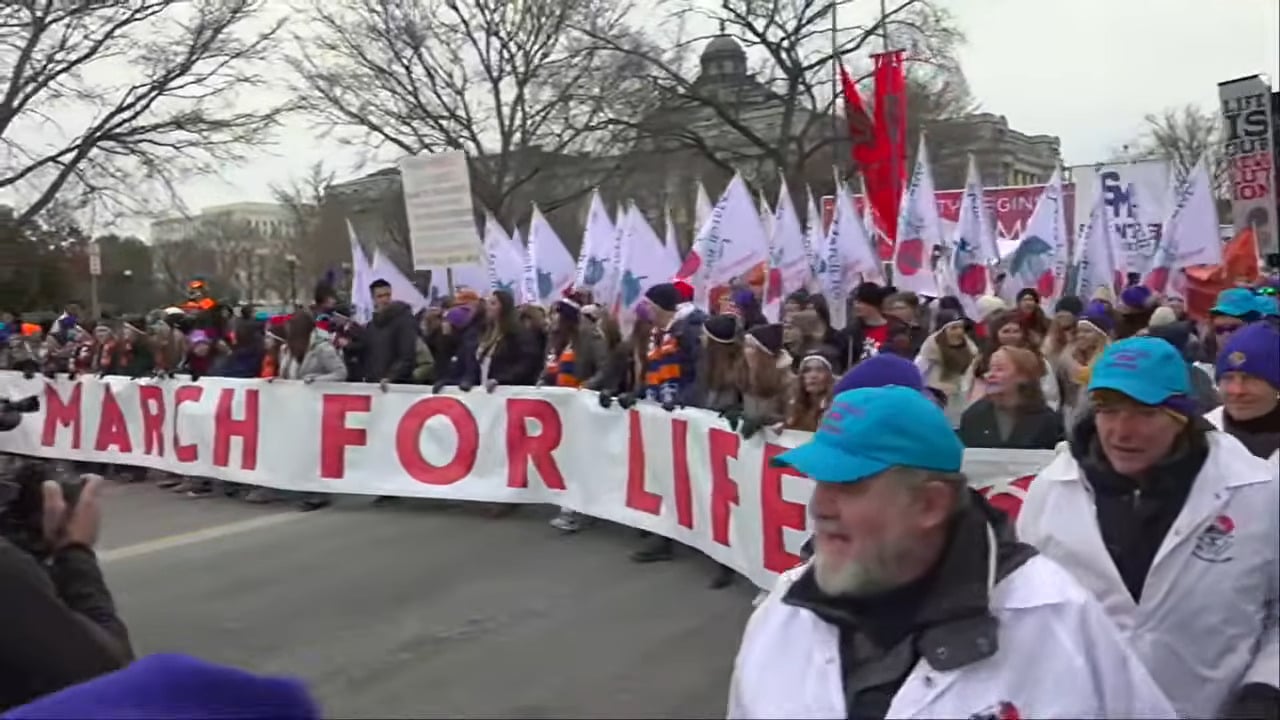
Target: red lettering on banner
113	431
638	498
722	446
523	448
409	434
777	513
184	452
226	427
680	472
336	436
58	413
151	402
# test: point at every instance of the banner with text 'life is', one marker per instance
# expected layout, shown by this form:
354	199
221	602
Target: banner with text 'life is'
683	475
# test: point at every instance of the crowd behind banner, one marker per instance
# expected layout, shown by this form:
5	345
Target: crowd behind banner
1007	376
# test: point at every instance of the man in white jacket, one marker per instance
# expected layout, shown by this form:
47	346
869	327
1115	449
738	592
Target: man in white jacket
919	602
1172	525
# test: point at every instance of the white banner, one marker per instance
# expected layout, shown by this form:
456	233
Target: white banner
1136	197
683	475
437	203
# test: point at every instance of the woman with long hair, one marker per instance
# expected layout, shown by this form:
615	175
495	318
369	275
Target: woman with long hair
575	351
811	393
621	377
1006	329
1012	414
721	374
1093	333
1062	329
507	354
768	379
944	358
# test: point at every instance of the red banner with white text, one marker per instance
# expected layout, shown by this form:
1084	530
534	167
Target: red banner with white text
683	474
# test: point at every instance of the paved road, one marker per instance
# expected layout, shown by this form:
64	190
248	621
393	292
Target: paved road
424	609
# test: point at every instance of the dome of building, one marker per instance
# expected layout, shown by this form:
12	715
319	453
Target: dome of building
724	58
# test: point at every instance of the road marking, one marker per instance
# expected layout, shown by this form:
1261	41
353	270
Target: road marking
197	536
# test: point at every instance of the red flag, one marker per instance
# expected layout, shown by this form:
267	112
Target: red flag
862	135
891	137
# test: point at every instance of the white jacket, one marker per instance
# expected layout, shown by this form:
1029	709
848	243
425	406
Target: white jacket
1058	657
1207	621
1214	416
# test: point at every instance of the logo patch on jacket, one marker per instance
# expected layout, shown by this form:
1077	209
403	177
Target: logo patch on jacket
1003	710
1215	541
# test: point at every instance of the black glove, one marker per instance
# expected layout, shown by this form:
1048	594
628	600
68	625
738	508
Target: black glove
732	416
465	386
606	399
28	374
626	401
1254	701
100	374
438	387
750	426
195	377
669	404
51	374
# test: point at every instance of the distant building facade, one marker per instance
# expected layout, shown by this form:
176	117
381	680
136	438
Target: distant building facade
238	247
1004	155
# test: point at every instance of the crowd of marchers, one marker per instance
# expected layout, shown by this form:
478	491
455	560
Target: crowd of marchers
1172	430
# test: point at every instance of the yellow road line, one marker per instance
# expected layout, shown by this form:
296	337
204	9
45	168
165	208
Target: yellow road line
197	536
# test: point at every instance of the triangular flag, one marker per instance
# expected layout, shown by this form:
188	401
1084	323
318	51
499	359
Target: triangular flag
361	277
597	247
552	265
919	231
1039	260
402	288
973	244
789	268
731	242
671	245
1190	235
503	261
1094	265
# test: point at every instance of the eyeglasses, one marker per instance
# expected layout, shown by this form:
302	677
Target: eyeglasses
1268	291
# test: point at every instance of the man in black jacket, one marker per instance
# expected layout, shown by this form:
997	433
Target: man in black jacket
390	340
58	626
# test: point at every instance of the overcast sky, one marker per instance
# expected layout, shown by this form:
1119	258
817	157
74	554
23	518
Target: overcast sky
1084	70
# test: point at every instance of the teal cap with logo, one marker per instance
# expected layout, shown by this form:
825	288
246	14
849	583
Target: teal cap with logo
869	430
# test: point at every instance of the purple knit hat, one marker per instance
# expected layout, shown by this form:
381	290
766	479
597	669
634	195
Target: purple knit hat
1254	350
459	317
879	371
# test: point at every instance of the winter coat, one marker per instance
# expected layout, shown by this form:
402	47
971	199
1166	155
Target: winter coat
929	361
1037	429
321	362
516	359
390	343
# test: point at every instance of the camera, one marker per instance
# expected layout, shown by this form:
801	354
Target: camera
11	411
22	503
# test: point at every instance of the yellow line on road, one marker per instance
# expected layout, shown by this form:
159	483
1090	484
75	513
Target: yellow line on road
197	536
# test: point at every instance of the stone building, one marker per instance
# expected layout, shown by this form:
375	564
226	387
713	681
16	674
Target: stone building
1004	155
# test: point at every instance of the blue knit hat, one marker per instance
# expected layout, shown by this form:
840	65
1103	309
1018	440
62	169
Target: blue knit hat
177	687
879	371
1254	350
1097	315
1136	299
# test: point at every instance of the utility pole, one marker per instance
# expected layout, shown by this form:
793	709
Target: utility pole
95	269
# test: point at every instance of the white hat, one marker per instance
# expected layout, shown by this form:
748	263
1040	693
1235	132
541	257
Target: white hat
989	305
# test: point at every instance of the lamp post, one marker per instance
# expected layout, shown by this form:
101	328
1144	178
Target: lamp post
292	261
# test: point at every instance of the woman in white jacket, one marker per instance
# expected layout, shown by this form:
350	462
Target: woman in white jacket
1248	375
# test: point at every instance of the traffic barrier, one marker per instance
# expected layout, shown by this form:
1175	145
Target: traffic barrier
684	474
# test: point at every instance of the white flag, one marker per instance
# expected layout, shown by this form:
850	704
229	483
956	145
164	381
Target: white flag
844	256
701	208
813	235
597	246
730	243
1094	265
788	269
671	245
504	258
1190	235
644	264
919	231
402	288
473	276
553	266
1040	259
361	277
973	244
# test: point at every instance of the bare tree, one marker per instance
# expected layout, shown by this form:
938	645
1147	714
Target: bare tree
303	238
514	84
1182	135
104	97
236	259
782	114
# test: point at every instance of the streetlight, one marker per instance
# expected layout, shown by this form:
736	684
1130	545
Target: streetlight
292	260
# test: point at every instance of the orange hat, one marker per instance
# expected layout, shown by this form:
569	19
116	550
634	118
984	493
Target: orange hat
755	276
684	289
29	329
465	295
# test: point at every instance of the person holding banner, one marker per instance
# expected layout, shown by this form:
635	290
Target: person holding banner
919	601
1172	525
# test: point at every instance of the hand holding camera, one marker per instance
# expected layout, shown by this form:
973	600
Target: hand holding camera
72	515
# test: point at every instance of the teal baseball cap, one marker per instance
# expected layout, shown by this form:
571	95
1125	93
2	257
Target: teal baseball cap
1235	302
869	430
1147	369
